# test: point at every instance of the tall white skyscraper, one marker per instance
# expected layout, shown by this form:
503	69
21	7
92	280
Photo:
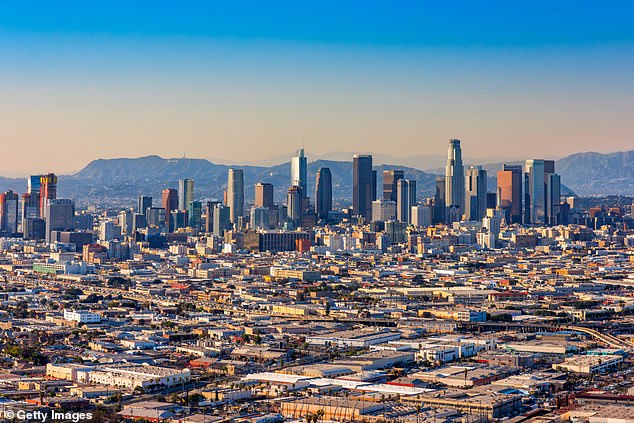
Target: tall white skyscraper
454	176
235	194
299	171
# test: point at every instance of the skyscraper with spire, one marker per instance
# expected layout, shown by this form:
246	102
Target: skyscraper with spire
299	171
454	176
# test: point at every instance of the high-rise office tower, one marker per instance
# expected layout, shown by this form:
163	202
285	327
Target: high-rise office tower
421	215
126	221
438	212
405	199
185	193
542	197
535	189
34	184
323	192
299	168
138	222
169	202
9	215
209	215
145	202
510	181
390	179
264	195
362	185
475	207
178	219
31	208
48	190
235	194
222	219
373	186
194	214
59	215
553	198
383	210
34	228
260	218
26	201
454	176
295	205
155	217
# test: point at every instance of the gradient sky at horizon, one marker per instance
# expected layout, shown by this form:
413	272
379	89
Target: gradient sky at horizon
246	80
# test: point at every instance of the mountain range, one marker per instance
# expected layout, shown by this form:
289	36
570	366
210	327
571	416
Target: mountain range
586	174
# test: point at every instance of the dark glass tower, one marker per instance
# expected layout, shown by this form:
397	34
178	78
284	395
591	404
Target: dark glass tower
390	179
362	185
323	192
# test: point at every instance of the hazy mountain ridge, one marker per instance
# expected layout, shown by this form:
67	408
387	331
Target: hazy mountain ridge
599	174
131	177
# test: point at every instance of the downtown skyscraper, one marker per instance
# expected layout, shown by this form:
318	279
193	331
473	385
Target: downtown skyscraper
405	199
363	185
454	177
390	179
299	168
9	215
59	215
235	194
264	195
31	199
323	192
542	188
294	204
185	193
48	190
510	181
476	193
169	202
145	202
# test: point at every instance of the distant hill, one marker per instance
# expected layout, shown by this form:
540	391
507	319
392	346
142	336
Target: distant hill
132	177
599	174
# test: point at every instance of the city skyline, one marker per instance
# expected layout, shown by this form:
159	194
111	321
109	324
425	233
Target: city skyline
219	84
282	212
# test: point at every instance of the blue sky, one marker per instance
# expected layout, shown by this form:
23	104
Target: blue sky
374	23
121	78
